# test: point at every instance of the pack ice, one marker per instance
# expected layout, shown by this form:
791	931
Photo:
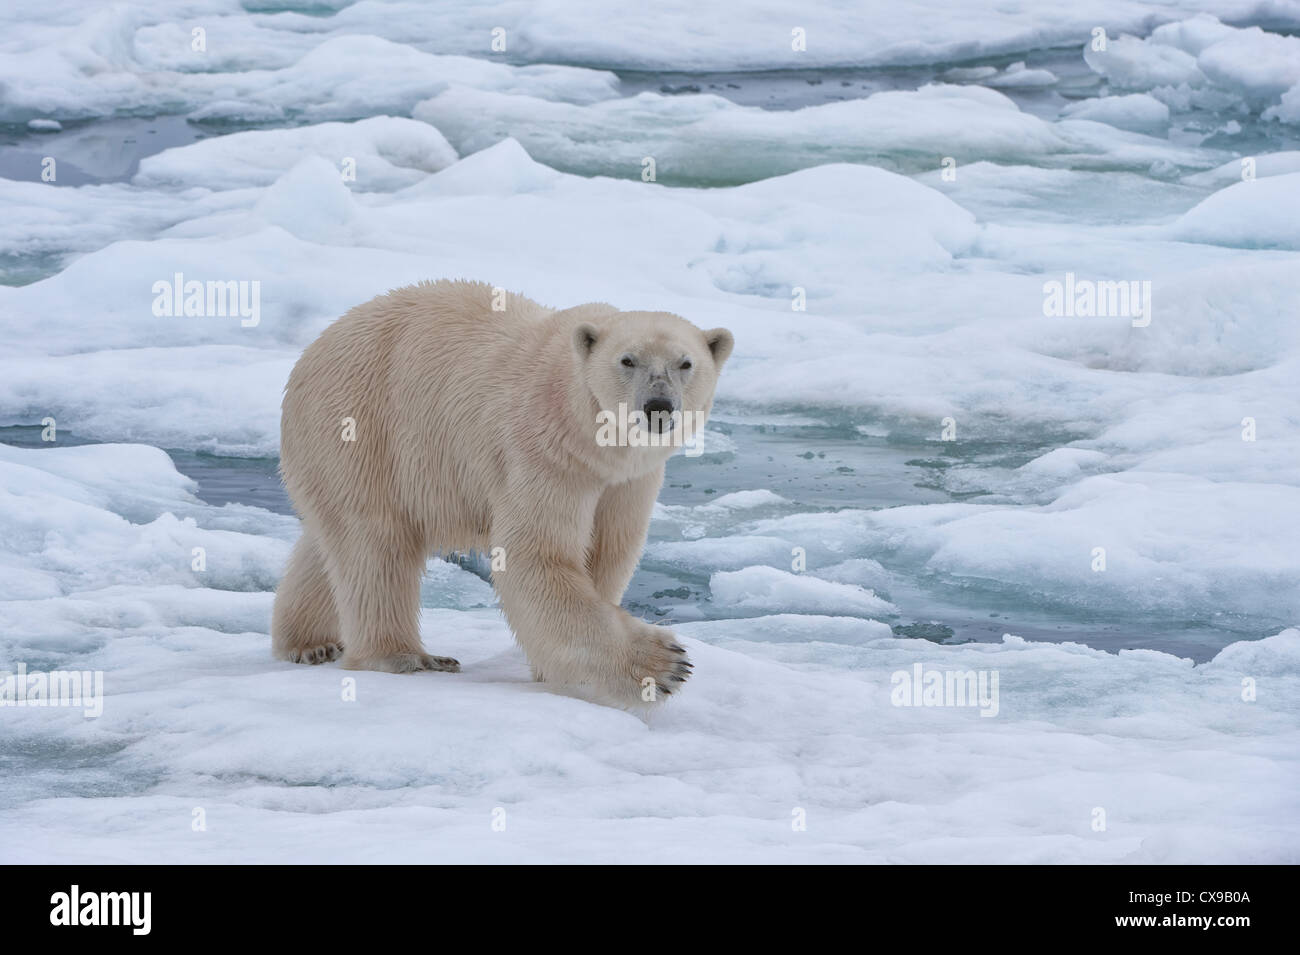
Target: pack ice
963	581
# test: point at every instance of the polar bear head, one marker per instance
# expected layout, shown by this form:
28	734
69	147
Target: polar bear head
653	366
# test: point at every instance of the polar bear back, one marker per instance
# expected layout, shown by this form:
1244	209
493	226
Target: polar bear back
406	407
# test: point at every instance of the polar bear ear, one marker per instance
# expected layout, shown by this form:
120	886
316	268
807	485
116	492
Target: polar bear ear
720	343
584	339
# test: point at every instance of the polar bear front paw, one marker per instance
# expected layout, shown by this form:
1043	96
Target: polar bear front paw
658	657
405	663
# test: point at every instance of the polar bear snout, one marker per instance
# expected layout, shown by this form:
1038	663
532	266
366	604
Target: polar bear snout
659	414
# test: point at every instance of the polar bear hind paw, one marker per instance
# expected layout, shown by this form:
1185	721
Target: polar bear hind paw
321	653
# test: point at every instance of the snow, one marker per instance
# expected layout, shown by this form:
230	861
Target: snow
362	59
1183	767
1288	108
91	71
722	143
1258	65
386	153
1137	112
772	590
1259	213
1250	65
876	293
1131	63
677	35
1269	164
1016	75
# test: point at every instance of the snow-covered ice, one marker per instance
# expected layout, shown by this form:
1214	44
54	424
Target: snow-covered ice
1137	112
391	152
791	713
913	462
1254	214
1187	57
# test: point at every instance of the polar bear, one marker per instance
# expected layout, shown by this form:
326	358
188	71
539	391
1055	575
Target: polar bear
452	416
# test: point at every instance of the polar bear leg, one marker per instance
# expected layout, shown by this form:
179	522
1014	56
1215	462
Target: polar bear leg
621	522
304	624
376	583
571	634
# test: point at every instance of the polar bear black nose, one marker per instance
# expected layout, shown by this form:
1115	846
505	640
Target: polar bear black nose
658	411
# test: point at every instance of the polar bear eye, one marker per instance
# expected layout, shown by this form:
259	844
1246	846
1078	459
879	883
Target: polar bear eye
627	362
685	365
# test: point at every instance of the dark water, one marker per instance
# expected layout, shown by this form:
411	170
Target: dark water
795	89
91	151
